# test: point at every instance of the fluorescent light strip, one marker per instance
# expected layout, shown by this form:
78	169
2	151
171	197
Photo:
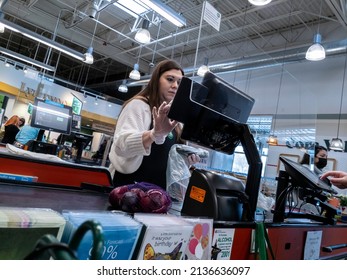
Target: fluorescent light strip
131	7
41	39
165	11
27	59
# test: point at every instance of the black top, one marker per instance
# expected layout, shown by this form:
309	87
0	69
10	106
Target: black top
11	131
152	168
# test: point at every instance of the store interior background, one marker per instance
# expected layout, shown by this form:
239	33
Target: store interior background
262	53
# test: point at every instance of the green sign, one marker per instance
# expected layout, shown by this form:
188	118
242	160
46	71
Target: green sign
76	106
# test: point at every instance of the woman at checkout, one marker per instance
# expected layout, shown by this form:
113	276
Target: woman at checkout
320	159
144	134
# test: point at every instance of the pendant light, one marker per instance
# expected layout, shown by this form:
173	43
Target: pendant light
336	144
135	73
316	52
203	68
88	55
123	87
142	35
2	26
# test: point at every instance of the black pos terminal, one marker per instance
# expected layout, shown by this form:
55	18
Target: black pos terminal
214	114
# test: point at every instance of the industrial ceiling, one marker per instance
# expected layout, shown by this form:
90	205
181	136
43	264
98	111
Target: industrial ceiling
248	36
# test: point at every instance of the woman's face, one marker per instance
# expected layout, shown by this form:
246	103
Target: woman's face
168	84
321	154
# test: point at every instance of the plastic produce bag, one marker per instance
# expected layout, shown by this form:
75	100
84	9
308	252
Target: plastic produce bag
177	172
140	197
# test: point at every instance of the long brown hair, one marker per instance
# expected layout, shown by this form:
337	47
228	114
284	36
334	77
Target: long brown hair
151	91
151	94
13	120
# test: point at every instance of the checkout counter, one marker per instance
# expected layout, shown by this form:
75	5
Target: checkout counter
30	179
63	185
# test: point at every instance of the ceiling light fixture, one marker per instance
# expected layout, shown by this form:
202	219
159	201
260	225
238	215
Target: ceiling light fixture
27	59
2	26
88	56
165	11
41	39
259	2
142	35
135	73
92	8
336	144
123	87
316	51
203	68
272	140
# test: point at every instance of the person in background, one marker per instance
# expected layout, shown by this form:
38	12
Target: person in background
11	130
21	122
144	134
320	159
26	134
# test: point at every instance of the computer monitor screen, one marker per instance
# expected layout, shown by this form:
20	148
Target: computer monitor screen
224	99
211	112
52	116
76	122
304	177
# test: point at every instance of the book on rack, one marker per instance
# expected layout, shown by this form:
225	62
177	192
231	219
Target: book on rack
21	228
165	237
18	177
121	233
200	243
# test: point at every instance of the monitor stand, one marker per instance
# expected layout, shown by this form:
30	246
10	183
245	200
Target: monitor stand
80	144
280	214
252	183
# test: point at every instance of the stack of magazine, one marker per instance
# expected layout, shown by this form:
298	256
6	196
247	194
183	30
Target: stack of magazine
23	227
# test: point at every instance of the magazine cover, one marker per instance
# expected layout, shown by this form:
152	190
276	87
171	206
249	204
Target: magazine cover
121	233
165	238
